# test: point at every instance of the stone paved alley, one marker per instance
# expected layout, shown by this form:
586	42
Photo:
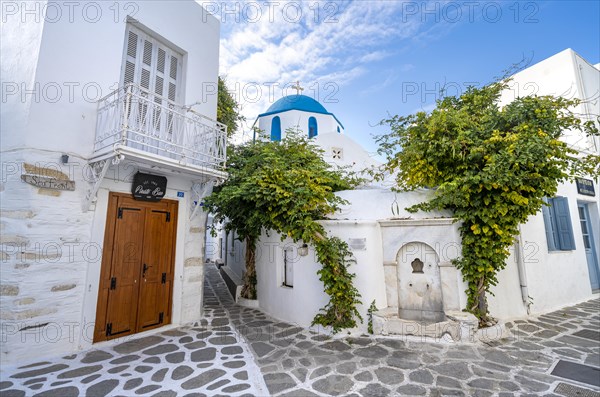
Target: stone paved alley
237	351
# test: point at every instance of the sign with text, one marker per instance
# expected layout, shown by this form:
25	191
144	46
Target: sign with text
48	183
585	187
147	187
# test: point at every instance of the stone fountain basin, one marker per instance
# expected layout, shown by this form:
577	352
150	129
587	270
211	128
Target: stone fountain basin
459	326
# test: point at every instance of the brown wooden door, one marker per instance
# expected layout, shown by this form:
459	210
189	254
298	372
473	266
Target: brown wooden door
137	267
156	270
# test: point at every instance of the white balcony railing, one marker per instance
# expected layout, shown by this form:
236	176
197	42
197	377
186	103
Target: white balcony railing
134	120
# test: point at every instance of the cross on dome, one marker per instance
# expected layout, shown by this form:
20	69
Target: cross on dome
298	88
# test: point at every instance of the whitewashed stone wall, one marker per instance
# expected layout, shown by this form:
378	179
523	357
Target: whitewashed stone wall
51	253
46	250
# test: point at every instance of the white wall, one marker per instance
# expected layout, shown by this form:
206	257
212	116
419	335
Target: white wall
213	249
326	123
375	204
301	303
19	46
87	56
236	255
554	278
45	250
567	75
353	155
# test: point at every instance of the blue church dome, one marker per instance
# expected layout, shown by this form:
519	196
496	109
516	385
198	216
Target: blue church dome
295	102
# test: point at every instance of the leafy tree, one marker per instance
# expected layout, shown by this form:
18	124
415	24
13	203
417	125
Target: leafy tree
492	166
228	109
287	187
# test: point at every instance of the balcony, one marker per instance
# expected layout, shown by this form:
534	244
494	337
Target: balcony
135	124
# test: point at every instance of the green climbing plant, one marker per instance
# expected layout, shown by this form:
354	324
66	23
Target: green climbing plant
372	309
491	166
287	187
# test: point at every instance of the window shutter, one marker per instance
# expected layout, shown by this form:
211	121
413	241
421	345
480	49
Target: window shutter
563	223
132	43
550	227
152	65
161	60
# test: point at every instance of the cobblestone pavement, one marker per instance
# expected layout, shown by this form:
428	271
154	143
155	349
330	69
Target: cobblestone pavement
206	359
215	358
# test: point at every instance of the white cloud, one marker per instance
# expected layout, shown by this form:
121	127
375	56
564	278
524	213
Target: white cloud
313	42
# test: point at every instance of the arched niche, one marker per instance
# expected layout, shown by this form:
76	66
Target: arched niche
419	283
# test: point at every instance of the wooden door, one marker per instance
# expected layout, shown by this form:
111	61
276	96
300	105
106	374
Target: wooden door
137	267
156	276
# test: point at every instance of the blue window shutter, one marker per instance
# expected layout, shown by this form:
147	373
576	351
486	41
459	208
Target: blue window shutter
312	127
276	129
550	227
563	223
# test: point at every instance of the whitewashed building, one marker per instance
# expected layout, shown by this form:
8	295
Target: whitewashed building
559	262
403	260
108	145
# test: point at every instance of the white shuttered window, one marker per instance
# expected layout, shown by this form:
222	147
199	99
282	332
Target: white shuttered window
156	69
152	65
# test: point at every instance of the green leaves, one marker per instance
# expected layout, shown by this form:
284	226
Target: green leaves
286	187
228	110
340	312
492	167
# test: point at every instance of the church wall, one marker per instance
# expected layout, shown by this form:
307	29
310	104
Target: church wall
292	118
341	150
380	203
300	303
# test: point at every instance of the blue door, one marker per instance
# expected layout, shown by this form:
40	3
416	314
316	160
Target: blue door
276	129
589	245
312	127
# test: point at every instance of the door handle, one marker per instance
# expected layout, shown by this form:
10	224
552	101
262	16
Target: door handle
146	267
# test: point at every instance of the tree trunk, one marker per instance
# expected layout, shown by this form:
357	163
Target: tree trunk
249	288
481	304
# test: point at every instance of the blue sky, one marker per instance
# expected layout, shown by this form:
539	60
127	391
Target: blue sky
364	60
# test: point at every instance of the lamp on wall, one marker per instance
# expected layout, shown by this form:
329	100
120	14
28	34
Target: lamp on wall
303	250
64	158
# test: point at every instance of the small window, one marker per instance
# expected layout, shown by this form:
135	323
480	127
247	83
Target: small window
312	127
276	129
338	129
557	223
288	268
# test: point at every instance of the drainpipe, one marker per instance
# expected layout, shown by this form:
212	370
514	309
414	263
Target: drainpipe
522	272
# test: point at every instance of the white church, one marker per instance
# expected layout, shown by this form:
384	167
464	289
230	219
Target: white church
403	260
300	111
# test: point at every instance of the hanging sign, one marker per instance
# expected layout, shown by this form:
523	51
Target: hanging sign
585	187
146	187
